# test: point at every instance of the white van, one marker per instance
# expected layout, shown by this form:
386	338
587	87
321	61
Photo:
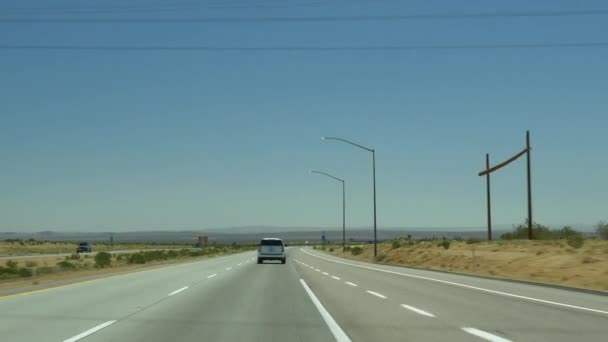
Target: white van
271	249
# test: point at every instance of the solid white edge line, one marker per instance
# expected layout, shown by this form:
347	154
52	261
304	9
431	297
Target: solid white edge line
335	329
485	335
211	276
463	285
380	295
89	332
178	291
418	311
337	278
351	284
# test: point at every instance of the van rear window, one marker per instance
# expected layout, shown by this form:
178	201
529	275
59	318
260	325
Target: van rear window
271	243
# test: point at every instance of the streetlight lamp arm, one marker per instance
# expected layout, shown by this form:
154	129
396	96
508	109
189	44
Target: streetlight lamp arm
328	175
349	142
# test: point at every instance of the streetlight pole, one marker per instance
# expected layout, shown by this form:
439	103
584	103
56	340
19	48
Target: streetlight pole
343	205
374	182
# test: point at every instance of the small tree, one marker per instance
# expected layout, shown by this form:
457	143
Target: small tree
103	259
602	230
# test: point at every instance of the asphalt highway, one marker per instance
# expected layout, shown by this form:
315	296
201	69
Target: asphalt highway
314	297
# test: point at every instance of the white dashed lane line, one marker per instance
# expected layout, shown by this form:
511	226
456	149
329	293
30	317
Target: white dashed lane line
211	276
239	264
178	291
485	335
318	270
351	284
228	268
337	278
325	273
418	311
89	332
379	295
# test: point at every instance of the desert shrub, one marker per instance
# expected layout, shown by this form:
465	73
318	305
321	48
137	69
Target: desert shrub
314	247
103	259
331	249
356	250
31	263
539	232
74	256
7	270
11	264
395	245
137	258
196	253
184	252
602	230
45	270
575	241
172	254
25	272
66	265
347	249
444	243
380	257
471	241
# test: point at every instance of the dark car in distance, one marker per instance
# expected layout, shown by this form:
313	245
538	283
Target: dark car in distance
84	247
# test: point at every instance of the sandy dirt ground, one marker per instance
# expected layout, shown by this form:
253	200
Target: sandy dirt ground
552	262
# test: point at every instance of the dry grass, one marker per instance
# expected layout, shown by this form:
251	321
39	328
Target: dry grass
84	267
541	261
25	247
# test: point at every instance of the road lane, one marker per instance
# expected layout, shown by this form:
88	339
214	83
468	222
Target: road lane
256	303
461	307
63	312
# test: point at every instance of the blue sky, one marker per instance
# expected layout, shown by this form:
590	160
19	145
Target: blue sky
119	140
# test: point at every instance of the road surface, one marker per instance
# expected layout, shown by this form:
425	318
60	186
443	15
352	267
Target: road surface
314	297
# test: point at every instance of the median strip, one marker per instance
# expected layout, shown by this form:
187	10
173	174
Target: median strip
89	332
485	335
178	291
418	311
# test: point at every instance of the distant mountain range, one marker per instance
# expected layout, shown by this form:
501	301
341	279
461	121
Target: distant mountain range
251	234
